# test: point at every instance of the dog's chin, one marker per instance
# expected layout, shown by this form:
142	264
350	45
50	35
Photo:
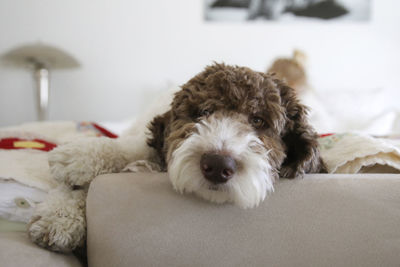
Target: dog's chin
214	193
245	192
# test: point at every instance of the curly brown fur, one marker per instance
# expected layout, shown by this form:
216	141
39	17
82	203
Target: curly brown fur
286	132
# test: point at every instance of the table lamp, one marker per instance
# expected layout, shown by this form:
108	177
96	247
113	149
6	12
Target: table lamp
40	58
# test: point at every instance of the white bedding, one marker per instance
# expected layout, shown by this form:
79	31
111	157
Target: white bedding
24	173
338	111
17	201
354	152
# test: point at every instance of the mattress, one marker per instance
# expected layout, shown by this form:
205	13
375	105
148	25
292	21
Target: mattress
16	250
10	226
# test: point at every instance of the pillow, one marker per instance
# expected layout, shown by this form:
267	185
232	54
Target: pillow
368	111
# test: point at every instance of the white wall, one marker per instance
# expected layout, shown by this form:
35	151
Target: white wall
131	49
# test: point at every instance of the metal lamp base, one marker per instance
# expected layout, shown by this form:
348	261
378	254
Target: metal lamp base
41	76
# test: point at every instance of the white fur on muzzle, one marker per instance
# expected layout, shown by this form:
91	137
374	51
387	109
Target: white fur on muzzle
230	135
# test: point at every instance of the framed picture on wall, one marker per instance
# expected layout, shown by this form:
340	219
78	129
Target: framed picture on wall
287	10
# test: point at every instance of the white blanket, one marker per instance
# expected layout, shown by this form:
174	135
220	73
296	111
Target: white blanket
24	182
24	173
17	201
351	152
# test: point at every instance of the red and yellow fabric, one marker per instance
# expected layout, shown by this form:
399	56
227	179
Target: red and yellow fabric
18	143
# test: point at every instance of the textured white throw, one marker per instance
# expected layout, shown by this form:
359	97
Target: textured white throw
351	152
24	173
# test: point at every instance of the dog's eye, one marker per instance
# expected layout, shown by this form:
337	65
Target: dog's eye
205	112
257	122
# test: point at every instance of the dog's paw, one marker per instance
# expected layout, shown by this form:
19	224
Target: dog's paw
59	222
142	166
77	163
291	172
60	232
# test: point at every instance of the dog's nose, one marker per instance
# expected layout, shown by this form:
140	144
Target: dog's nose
217	168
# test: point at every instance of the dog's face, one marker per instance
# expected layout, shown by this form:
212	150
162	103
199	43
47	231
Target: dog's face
231	132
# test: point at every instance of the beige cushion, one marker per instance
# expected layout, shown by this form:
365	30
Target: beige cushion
16	250
321	220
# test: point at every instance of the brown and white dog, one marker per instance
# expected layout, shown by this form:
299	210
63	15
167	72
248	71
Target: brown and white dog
229	133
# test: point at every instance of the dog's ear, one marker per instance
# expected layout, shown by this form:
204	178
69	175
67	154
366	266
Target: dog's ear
158	127
302	153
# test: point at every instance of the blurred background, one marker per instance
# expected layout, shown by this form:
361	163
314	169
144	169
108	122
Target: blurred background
130	51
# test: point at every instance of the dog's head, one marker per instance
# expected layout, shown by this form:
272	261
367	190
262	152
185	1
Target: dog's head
231	132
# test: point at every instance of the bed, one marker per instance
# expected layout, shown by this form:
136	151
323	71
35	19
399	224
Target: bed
370	152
